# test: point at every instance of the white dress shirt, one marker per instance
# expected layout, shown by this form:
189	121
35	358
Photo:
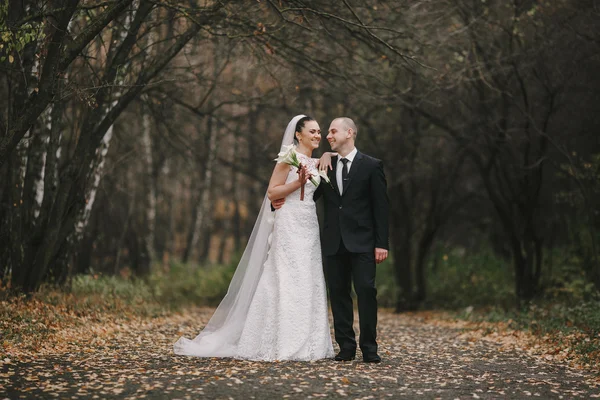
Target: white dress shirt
340	165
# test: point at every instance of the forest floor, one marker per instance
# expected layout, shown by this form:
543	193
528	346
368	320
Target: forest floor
425	355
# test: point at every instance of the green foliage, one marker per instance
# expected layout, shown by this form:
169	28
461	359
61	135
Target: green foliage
14	39
543	317
459	279
568	282
191	284
112	293
456	280
175	287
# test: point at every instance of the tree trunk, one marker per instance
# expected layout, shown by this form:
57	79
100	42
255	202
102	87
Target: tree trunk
122	238
61	267
224	239
205	247
17	168
237	197
97	173
423	248
83	258
148	170
4	225
33	189
527	261
230	225
401	248
151	185
170	245
202	209
84	253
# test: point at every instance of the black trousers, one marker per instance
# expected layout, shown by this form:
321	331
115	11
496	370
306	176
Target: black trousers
341	270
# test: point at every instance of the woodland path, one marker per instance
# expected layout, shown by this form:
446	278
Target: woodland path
421	359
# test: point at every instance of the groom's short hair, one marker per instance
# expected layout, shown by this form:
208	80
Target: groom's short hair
349	124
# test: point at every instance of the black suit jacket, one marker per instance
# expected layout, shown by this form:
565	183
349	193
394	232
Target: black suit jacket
359	217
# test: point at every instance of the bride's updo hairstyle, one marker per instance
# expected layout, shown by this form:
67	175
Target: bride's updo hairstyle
300	126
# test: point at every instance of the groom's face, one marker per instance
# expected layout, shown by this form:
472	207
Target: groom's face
338	135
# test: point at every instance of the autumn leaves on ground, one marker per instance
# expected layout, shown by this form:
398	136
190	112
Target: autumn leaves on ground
59	345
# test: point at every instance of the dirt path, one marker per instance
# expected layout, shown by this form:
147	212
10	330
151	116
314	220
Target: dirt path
421	359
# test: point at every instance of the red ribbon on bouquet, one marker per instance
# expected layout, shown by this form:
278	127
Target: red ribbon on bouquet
300	172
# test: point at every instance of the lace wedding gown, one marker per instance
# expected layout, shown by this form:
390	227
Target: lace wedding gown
288	316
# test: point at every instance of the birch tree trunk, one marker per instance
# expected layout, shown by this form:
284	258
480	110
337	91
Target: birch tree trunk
202	216
97	168
150	206
39	183
170	197
148	170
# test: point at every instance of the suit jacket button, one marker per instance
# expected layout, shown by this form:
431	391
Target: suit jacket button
340	207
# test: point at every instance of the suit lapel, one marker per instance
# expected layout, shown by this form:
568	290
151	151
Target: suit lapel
353	170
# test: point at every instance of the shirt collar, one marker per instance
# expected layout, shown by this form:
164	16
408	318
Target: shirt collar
350	156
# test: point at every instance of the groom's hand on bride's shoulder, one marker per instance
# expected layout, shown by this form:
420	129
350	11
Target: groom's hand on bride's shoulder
380	255
277	204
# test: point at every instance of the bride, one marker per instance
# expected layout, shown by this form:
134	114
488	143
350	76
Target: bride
276	304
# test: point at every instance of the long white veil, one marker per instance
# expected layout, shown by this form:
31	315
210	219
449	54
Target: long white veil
222	333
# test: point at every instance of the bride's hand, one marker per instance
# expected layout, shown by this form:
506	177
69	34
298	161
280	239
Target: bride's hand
325	161
303	174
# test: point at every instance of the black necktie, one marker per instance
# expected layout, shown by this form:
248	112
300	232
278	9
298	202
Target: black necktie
344	173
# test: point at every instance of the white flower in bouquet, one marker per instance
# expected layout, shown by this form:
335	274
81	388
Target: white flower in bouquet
323	175
289	156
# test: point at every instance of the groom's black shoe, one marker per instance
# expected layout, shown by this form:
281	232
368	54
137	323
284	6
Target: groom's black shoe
345	355
371	358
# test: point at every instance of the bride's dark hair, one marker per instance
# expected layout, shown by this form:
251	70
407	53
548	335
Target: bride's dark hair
300	125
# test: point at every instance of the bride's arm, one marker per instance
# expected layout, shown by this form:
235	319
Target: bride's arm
277	186
325	161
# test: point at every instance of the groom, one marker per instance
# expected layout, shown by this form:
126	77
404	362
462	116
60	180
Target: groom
354	238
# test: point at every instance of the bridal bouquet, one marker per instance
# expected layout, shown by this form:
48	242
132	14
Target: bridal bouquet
289	156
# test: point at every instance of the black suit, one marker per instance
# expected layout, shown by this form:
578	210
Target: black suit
355	223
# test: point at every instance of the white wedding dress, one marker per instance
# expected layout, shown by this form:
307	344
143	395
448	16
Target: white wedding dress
287	314
288	319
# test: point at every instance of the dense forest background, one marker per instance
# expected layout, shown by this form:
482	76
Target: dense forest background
137	137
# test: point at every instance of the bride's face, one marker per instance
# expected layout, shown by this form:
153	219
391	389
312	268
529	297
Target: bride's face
310	135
